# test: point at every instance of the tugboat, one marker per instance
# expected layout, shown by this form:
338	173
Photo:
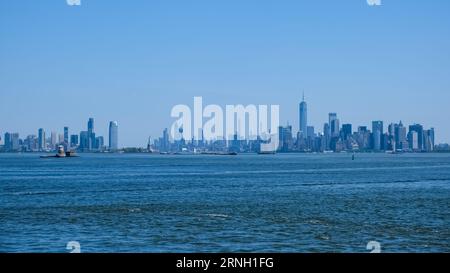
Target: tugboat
61	153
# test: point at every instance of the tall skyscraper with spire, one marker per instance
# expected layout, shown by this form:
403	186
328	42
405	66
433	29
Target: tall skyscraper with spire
303	117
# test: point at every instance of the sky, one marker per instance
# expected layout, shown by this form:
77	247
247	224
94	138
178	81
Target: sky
132	61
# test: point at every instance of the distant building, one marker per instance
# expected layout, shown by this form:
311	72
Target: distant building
165	141
417	128
41	139
384	142
99	143
91	134
401	141
429	140
326	136
392	144
113	136
363	138
66	135
414	140
8	144
30	143
303	118
443	147
377	134
331	117
84	141
346	131
333	122
73	141
301	143
15	142
285	138
310	132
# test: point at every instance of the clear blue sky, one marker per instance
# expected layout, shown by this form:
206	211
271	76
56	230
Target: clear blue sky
131	61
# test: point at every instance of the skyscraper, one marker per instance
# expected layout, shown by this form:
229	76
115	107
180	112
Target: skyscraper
90	125
310	132
113	136
333	122
327	136
30	143
73	141
66	135
41	139
400	137
414	140
392	143
84	140
335	128
432	137
99	143
346	131
15	142
363	138
377	133
91	134
165	144
428	140
419	130
8	144
285	138
331	117
303	117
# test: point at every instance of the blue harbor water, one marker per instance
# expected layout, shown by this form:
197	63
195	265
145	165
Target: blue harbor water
244	203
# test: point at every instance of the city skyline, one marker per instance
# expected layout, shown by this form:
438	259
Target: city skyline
84	141
380	136
61	65
233	135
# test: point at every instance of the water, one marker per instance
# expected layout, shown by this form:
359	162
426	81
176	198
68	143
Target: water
244	203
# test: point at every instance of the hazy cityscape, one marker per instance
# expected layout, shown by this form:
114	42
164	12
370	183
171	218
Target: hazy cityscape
334	137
